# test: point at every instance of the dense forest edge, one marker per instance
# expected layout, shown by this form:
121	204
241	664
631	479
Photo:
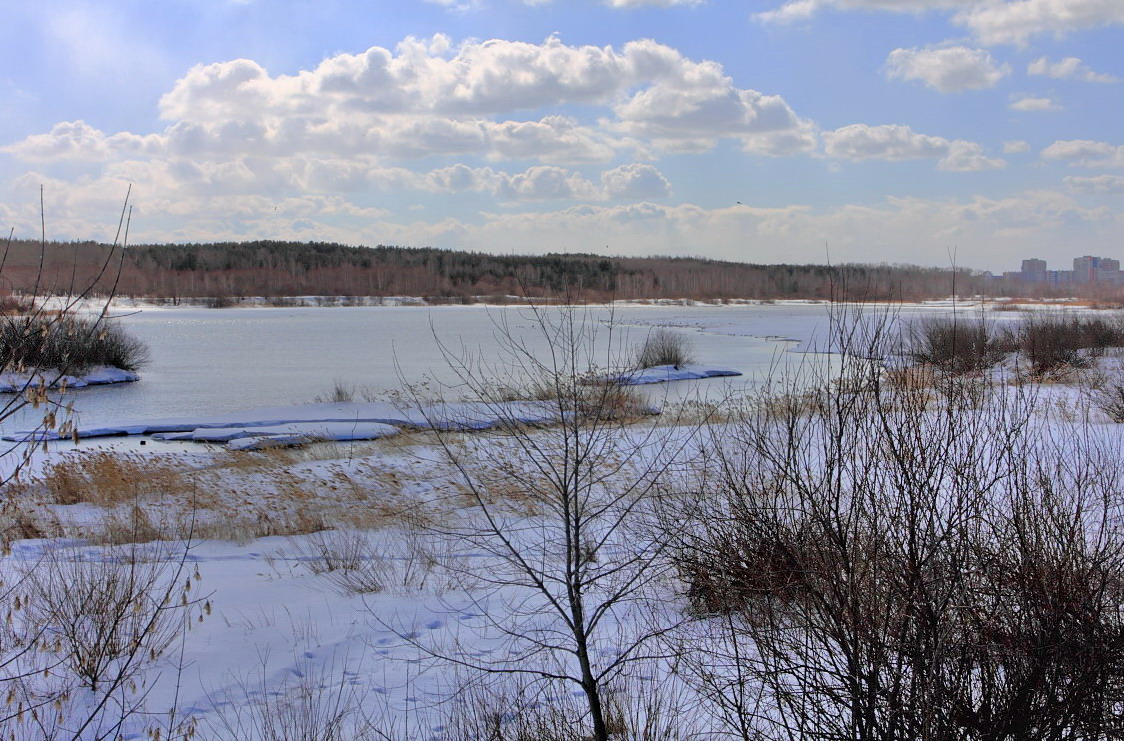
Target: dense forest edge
233	270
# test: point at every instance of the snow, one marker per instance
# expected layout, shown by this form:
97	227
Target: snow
330	420
247	438
666	373
95	376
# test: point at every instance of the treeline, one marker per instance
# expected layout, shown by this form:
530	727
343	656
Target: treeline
269	268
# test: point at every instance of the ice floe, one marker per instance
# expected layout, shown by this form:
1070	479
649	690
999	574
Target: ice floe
325	421
665	373
95	376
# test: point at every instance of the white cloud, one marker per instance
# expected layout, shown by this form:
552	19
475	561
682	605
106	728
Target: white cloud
989	232
950	70
654	92
965	156
991	21
1016	147
429	98
896	142
1067	68
798	10
1085	153
1017	21
635	182
1098	184
1027	103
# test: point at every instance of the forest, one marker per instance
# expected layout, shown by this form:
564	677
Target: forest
234	270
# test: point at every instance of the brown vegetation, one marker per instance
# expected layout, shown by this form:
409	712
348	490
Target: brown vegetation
223	273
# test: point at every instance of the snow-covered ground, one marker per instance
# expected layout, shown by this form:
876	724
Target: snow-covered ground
324	581
96	376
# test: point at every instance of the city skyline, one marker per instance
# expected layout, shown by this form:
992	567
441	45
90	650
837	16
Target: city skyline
933	132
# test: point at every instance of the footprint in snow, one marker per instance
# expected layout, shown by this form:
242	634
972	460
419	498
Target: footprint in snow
309	655
434	624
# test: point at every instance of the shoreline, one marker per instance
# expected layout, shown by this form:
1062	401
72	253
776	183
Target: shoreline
995	304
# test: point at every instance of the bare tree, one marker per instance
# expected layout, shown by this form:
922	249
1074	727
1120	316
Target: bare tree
557	512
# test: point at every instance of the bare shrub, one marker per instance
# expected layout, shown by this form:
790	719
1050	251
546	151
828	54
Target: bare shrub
347	559
1105	391
955	344
105	606
519	710
512	711
880	568
84	626
662	346
1050	340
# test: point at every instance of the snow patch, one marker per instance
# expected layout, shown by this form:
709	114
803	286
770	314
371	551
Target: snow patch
325	421
95	376
665	373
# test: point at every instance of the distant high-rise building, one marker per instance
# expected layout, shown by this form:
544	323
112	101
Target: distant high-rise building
1034	271
1085	269
1108	271
1089	269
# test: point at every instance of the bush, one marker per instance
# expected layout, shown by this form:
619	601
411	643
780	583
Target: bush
875	568
67	342
664	347
955	345
1107	394
1048	341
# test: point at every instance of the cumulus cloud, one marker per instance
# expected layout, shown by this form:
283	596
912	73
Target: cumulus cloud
990	21
1029	103
1085	153
635	182
1017	21
1070	67
693	109
1098	184
1016	147
74	140
898	142
950	70
428	98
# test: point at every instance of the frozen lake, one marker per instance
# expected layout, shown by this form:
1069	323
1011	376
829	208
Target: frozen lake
218	360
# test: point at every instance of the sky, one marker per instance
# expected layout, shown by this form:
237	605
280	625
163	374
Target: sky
932	132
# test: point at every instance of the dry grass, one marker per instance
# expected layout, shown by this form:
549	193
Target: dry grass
106	478
912	377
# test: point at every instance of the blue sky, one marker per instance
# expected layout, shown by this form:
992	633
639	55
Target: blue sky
765	131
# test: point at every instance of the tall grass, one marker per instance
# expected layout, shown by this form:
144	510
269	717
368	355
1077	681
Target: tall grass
70	342
664	347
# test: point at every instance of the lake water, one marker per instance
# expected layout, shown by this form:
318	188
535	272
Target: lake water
218	360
